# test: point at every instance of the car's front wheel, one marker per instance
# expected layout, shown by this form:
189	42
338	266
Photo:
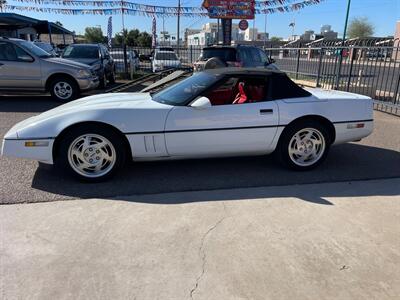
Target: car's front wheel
91	153
64	89
304	146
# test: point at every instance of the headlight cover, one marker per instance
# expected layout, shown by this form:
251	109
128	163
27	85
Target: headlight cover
83	73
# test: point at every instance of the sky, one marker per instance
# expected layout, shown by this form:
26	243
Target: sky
382	13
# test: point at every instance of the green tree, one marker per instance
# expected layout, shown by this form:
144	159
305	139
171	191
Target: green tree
275	39
94	35
360	28
144	39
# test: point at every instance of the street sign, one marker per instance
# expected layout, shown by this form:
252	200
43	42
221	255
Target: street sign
226	31
230	9
243	25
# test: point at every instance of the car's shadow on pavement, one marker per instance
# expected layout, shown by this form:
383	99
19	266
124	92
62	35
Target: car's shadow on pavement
27	103
345	163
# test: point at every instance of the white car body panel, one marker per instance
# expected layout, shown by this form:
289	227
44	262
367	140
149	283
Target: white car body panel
159	131
222	129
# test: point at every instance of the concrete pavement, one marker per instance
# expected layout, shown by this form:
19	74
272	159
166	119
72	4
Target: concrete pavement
317	241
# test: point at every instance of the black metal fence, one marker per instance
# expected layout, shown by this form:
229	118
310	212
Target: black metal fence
372	71
369	66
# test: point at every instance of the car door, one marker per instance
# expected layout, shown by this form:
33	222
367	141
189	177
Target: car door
230	129
18	69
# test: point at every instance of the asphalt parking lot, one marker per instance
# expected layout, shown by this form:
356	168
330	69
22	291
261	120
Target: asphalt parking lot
376	157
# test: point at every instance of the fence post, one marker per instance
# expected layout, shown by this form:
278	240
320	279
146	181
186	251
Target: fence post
191	54
339	70
298	63
125	60
351	68
321	51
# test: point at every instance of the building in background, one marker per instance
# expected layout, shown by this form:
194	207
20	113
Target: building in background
188	32
208	35
30	29
328	33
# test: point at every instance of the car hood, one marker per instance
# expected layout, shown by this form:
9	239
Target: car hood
87	61
66	62
116	108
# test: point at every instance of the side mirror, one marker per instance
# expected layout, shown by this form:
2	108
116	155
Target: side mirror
201	103
272	60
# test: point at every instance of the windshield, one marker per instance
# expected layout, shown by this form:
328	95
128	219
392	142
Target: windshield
31	47
224	54
181	93
166	56
45	47
81	52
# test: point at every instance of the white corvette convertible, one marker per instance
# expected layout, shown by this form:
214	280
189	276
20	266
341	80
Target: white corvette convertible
222	112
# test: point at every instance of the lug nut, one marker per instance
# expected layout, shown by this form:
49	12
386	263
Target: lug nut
97	151
97	157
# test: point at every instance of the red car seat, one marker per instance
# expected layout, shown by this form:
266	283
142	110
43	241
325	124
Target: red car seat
241	97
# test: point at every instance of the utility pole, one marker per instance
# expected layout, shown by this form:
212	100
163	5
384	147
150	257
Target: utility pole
178	26
265	30
337	83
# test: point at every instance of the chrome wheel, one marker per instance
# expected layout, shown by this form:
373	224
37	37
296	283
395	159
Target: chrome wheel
91	155
63	90
306	147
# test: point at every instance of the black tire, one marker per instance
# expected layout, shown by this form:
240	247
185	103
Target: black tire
62	161
71	89
282	150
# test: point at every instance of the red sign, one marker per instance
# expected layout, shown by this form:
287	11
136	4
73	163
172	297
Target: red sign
230	9
243	25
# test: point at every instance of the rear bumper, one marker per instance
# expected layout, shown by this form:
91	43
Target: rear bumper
17	148
348	132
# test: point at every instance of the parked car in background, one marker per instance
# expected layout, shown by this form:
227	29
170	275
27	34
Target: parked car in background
233	56
132	59
165	60
95	55
24	67
50	48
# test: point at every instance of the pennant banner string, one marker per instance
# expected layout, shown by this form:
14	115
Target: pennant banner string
131	8
138	6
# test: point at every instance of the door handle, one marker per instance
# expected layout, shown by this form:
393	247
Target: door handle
266	111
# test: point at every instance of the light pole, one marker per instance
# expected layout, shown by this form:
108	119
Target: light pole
346	21
178	26
337	83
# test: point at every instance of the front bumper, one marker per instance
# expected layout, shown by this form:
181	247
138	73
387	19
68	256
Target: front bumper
86	84
18	148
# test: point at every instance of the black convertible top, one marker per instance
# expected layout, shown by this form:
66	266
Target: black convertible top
243	71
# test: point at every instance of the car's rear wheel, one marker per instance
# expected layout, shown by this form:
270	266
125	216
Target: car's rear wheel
91	153
64	89
304	146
